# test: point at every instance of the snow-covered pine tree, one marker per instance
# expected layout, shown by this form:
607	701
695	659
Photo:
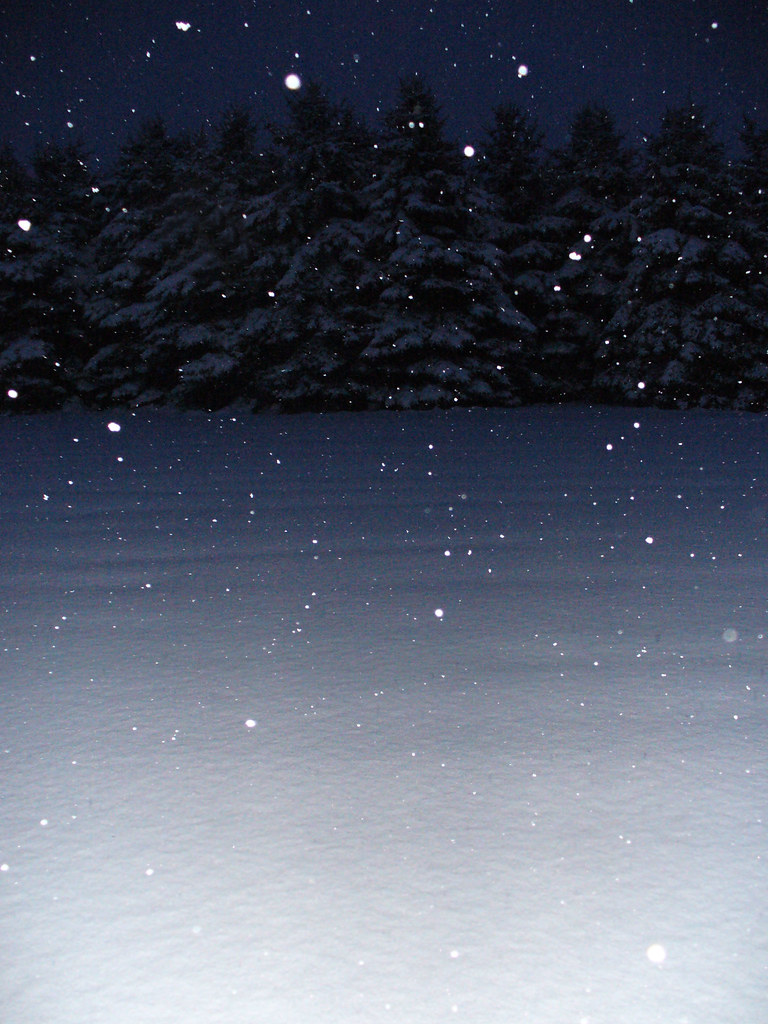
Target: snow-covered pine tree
223	304
307	234
684	332
595	177
152	218
752	172
169	295
16	206
513	179
45	275
751	178
512	170
446	331
581	240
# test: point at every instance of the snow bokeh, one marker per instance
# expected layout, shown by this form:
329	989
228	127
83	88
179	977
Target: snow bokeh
250	774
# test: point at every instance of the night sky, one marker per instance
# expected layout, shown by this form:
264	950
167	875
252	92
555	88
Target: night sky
95	70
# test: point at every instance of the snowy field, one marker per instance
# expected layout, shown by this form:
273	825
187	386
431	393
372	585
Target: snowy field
400	718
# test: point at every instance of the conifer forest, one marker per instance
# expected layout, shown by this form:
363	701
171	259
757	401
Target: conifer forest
320	264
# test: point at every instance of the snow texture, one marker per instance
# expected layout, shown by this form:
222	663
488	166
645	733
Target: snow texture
384	717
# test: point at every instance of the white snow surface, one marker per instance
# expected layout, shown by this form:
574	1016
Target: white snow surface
249	776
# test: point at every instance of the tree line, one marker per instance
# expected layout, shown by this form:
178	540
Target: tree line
317	264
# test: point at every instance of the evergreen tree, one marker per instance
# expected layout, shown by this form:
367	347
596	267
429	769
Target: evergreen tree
686	331
221	304
752	173
45	275
332	269
154	316
751	230
513	170
512	203
446	331
584	240
307	230
16	206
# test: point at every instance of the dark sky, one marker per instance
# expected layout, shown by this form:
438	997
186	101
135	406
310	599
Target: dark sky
97	68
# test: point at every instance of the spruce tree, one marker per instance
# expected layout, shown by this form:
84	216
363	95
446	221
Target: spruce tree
584	238
305	231
685	331
46	275
223	305
147	303
16	207
446	330
751	179
511	202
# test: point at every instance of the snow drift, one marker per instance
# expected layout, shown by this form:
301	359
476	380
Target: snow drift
387	717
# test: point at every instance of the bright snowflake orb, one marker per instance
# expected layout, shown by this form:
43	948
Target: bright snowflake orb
12	393
469	151
113	428
292	82
656	953
522	71
250	723
649	540
439	613
183	26
25	225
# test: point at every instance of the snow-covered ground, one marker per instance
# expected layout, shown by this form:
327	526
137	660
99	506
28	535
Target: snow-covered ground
390	717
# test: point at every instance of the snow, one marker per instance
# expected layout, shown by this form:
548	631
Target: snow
250	774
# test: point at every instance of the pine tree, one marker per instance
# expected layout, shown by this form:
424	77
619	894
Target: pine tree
16	205
446	331
751	233
152	315
46	275
513	170
308	227
752	172
584	240
512	202
685	331
222	304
